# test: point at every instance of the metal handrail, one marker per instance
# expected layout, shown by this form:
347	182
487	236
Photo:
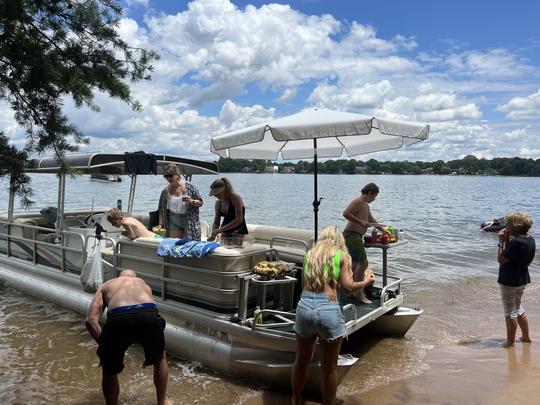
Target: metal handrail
353	307
35	242
278	314
290	240
387	287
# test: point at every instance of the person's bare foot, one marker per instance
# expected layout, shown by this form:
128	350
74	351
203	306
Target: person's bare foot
507	344
362	297
525	340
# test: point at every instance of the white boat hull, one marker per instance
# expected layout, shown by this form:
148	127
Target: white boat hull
395	323
227	348
209	303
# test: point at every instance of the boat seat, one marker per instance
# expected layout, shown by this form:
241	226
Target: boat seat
24	231
48	237
293	245
73	222
265	233
223	251
205	229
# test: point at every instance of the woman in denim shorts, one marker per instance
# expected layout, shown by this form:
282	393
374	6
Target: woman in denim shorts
515	253
318	314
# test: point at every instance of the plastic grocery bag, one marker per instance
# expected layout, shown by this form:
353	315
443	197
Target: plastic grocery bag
92	272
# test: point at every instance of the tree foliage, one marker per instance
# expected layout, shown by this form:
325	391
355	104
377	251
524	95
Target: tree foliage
52	49
515	166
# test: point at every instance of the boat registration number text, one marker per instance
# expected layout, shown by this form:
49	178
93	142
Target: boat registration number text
205	330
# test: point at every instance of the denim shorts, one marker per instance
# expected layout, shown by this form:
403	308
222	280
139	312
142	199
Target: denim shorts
317	315
177	222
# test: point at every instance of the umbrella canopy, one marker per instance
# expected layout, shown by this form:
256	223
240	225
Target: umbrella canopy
317	133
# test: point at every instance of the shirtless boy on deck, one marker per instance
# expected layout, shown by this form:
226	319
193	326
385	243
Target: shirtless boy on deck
133	228
359	219
132	317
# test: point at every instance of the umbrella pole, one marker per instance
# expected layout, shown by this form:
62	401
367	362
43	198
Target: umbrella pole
316	201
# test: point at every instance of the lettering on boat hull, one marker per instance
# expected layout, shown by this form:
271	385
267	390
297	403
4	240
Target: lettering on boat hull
206	331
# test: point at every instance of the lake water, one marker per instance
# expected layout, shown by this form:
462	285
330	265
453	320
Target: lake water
449	268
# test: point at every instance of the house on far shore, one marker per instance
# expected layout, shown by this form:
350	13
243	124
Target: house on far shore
360	170
271	169
288	169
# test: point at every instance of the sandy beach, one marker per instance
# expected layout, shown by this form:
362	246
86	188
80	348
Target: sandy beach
475	373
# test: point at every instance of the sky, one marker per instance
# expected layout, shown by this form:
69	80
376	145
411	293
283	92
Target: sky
469	69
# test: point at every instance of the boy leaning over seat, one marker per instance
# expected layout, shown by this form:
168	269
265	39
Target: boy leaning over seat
133	228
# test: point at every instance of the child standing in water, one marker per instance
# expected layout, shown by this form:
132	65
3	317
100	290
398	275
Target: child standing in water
515	253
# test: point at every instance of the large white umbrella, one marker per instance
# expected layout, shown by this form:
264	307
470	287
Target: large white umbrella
317	133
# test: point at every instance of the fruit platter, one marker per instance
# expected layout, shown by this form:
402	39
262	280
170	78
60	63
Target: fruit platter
388	235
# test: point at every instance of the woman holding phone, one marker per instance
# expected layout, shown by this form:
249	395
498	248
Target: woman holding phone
179	205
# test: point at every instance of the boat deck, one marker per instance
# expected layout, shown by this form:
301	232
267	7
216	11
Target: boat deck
352	308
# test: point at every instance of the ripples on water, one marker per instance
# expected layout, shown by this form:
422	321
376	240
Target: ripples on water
449	268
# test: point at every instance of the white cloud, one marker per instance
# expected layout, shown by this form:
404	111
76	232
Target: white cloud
444	107
516	134
9	126
137	2
495	63
357	98
223	67
522	107
287	95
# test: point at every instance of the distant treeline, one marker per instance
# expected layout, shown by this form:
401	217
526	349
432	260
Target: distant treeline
468	165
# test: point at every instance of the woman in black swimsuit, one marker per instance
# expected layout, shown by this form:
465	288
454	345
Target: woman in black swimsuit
229	206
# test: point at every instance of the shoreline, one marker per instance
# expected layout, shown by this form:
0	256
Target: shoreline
480	372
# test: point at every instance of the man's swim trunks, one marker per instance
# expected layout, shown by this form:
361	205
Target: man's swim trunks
129	325
355	244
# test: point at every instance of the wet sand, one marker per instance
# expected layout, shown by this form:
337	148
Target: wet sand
476	373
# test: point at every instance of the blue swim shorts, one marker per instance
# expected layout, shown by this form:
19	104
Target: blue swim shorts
319	314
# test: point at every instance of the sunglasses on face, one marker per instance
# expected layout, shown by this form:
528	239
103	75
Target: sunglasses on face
168	176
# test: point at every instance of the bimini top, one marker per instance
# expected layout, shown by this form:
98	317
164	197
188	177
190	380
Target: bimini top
124	163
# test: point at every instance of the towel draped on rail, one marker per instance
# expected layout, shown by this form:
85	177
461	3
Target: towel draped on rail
184	247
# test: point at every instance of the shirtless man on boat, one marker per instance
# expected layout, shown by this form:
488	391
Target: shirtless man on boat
132	317
133	228
359	219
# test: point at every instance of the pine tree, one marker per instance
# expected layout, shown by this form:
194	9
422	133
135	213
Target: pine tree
52	49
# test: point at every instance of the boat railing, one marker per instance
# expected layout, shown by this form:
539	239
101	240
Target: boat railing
33	243
107	239
283	319
289	241
391	290
388	292
352	308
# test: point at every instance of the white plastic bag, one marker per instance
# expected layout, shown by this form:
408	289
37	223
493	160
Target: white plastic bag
92	272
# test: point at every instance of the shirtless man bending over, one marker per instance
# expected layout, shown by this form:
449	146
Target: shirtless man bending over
132	317
133	228
359	219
